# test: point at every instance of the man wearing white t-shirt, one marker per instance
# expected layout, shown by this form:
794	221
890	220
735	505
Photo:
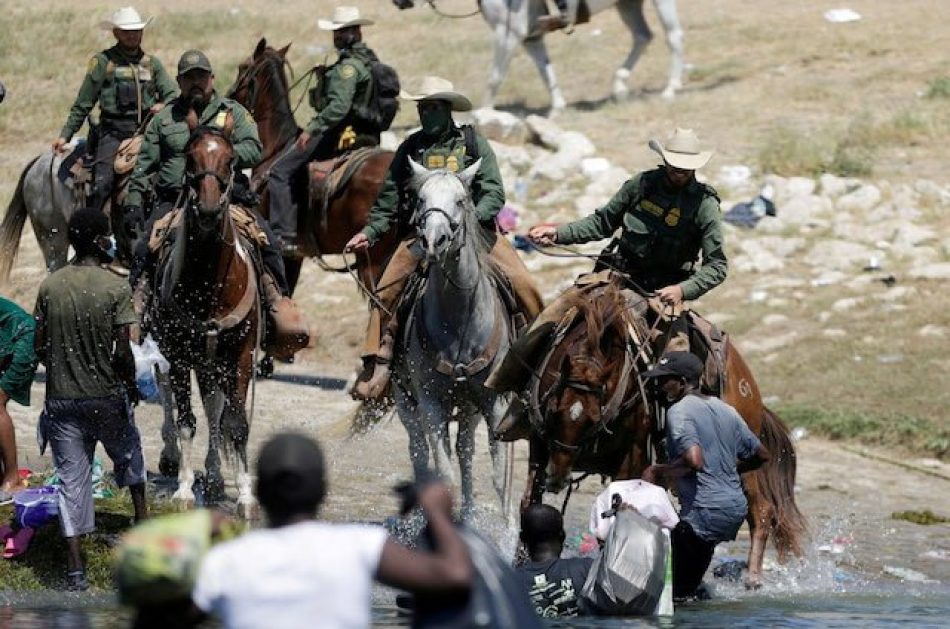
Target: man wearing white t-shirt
301	572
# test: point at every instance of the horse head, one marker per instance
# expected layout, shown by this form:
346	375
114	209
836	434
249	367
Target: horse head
587	384
209	170
256	75
444	210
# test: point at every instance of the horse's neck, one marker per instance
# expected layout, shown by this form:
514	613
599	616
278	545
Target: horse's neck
276	124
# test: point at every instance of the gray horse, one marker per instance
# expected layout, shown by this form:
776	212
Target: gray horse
48	203
458	329
514	22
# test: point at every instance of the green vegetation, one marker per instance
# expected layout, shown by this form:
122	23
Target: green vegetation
906	432
939	88
926	517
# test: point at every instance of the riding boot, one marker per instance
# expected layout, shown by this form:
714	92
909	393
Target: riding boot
377	384
286	330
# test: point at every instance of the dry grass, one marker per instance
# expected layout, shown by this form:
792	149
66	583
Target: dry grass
773	85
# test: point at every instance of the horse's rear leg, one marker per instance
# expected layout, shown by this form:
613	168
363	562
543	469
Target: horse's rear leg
168	462
187	426
539	54
632	15
760	522
506	41
666	11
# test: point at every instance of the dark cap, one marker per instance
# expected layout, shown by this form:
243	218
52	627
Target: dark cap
682	364
291	475
193	60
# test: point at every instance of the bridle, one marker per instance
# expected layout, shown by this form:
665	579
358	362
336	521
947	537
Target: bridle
193	179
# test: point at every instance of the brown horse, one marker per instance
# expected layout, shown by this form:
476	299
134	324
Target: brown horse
206	315
261	86
592	412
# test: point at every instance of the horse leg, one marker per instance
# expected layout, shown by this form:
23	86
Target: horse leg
506	41
465	450
666	10
236	427
211	383
537	474
436	426
418	445
539	54
168	462
759	519
187	425
632	15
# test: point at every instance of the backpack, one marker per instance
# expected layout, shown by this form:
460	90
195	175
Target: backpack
383	103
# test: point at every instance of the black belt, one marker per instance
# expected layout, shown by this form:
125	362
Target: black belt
125	127
167	195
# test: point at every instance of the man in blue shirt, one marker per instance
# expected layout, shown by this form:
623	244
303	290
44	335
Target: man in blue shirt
709	445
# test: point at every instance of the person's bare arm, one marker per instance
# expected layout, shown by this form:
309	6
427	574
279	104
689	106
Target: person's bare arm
123	362
757	460
689	461
447	568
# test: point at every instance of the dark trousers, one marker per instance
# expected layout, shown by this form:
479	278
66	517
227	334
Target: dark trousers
103	171
283	212
144	260
691	557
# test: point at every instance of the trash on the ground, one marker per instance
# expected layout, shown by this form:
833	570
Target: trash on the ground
874	264
730	569
842	16
833	549
758	296
522	243
906	574
748	214
35	506
799	433
100	484
147	356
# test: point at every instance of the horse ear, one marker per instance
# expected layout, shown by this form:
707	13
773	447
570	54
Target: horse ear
419	173
469	173
192	119
261	47
283	51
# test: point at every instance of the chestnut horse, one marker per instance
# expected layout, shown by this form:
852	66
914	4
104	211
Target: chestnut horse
206	316
593	412
261	86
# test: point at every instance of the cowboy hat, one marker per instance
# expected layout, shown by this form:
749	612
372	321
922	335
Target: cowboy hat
343	17
125	19
682	150
435	88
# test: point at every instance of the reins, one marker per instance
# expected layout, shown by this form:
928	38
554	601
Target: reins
452	16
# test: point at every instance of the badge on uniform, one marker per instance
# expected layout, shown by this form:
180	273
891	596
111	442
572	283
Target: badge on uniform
452	164
221	119
93	64
673	217
347	71
435	161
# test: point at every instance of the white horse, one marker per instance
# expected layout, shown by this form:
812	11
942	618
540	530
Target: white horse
515	22
458	329
48	203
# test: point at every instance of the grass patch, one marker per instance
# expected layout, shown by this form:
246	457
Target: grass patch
926	517
939	88
915	434
788	152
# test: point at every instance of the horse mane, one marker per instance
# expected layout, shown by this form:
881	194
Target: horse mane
602	315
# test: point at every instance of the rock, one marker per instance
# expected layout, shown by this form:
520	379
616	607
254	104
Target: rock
576	145
932	330
939	271
501	126
799	186
544	131
932	193
803	209
828	278
586	204
945	246
388	141
846	304
834	333
734	179
770	343
892	211
516	157
919	256
774	319
909	235
594	166
766	254
833	186
840	255
608	182
896	293
758	296
719	318
859	201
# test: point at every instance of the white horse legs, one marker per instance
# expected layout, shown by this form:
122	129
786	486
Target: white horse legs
632	15
539	54
506	42
666	10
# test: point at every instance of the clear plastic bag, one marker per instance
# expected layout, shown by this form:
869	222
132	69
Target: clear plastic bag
147	356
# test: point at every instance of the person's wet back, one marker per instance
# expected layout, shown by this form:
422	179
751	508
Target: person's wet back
554	583
301	572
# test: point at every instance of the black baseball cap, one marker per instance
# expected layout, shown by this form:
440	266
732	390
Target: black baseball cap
193	60
291	475
684	364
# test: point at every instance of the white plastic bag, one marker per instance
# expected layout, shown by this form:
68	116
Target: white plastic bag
147	357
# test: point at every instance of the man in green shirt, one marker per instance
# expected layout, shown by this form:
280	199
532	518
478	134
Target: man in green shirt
441	144
162	156
344	90
84	318
17	366
128	85
667	221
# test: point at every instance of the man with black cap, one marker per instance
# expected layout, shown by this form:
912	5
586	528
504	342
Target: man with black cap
708	446
301	572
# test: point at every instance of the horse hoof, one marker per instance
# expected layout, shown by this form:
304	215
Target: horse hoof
168	467
184	500
753	582
248	510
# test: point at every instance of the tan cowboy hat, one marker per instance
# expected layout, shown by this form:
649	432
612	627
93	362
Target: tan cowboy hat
435	88
343	17
125	19
682	150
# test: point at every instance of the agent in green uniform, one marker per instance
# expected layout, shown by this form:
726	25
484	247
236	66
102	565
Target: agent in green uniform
668	221
345	89
128	84
440	144
162	155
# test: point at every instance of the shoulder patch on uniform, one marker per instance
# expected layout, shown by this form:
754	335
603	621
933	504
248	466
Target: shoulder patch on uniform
347	71
221	118
93	63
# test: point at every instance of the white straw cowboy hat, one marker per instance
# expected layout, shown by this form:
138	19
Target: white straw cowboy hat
125	19
343	17
435	88
682	150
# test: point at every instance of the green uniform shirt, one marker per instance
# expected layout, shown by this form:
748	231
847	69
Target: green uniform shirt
392	206
663	231
163	150
78	308
124	86
17	360
346	86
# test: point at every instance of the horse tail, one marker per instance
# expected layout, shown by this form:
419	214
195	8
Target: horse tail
12	226
777	482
